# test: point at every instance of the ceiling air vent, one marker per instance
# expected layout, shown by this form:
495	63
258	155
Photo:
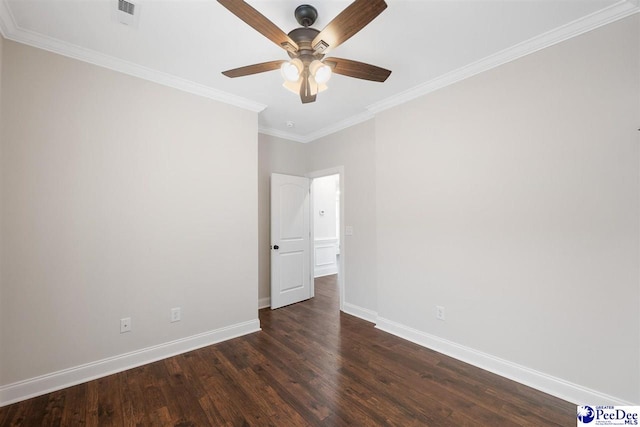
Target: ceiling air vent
126	7
127	13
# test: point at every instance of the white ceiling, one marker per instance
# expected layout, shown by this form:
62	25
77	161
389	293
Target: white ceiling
187	43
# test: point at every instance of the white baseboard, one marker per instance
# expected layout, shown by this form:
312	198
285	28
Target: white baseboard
546	383
43	384
363	313
264	303
324	271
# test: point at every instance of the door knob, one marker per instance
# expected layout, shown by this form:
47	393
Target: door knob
276	247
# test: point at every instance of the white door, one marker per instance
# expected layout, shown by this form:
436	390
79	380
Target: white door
290	260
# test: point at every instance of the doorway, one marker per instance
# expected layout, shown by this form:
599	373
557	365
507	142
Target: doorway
326	225
327	219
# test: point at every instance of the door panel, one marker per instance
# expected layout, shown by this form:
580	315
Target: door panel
292	271
290	260
326	259
292	201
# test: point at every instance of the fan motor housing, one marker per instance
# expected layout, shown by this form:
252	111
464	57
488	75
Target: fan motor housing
306	15
304	37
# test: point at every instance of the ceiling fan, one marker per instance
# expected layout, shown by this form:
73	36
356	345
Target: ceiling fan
308	70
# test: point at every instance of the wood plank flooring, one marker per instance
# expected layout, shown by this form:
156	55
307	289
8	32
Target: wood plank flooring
310	365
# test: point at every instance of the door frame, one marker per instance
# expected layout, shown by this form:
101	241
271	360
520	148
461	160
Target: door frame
337	170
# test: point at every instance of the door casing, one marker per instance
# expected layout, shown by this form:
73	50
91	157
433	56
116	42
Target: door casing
337	170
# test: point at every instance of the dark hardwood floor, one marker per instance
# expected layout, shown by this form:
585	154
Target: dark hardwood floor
310	365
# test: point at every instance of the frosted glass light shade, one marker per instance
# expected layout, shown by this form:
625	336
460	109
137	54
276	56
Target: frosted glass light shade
320	71
293	86
291	70
314	87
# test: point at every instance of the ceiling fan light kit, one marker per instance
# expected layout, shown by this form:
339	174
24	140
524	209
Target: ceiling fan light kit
291	70
308	70
321	72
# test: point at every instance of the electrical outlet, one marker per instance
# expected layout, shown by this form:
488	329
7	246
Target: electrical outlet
176	314
439	312
125	325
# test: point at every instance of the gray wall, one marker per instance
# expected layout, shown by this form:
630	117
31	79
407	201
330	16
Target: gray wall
354	148
511	199
2	42
119	198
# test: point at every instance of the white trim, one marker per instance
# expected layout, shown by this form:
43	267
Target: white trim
325	272
12	32
337	170
546	383
336	127
617	11
363	313
264	303
43	384
281	134
327	268
605	16
327	239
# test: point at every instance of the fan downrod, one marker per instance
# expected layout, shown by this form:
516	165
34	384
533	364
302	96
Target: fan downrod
306	15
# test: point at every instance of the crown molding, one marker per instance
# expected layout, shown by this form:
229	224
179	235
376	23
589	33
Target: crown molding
617	11
342	124
336	127
11	31
282	134
605	16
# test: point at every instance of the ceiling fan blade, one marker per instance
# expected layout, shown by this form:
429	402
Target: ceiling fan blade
356	69
307	94
348	22
260	23
253	69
